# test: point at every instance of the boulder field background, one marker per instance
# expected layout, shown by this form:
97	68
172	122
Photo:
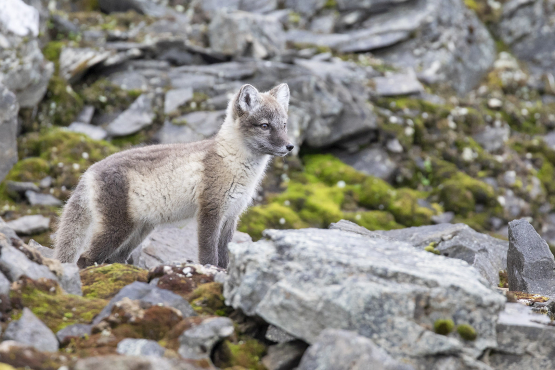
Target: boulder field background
413	228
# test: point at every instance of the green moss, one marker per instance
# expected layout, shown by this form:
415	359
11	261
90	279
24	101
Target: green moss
330	4
76	152
467	332
271	216
105	281
373	220
107	97
208	299
461	193
29	169
52	51
331	170
245	354
53	307
375	193
61	105
130	140
546	175
407	210
444	326
432	248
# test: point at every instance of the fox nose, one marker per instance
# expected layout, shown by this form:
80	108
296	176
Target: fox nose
290	147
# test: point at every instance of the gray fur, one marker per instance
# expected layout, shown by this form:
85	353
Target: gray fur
120	199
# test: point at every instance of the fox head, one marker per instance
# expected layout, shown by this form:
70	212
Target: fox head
262	119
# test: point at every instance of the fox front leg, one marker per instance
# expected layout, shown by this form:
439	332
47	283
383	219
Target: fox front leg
209	225
228	229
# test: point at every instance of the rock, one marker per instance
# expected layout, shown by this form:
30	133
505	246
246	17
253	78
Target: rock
530	263
171	243
7	231
487	254
70	279
493	139
245	34
138	116
38	199
307	8
176	98
14	264
129	80
397	84
371	161
46	182
444	218
394	146
4	285
86	114
75	62
44	251
197	342
148	294
118	362
304	281
23	69
31	331
94	132
191	127
527	28
16	190
284	356
275	334
30	225
227	70
343	350
19	18
323	24
146	7
549	139
73	331
140	347
8	130
523	340
548	229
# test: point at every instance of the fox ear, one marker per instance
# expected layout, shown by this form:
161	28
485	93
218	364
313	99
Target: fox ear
281	93
248	99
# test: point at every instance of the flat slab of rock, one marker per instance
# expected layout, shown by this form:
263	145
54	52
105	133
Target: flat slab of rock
148	294
284	356
38	199
18	189
31	331
191	127
304	281
138	116
44	251
140	347
14	264
30	225
197	342
530	263
94	132
120	362
173	243
371	161
524	340
176	98
74	62
73	331
344	350
399	84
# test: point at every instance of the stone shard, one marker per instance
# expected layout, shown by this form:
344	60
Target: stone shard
176	98
148	294
16	190
138	116
31	331
398	84
246	34
8	130
304	281
75	62
530	263
70	279
14	264
29	225
191	127
284	356
344	350
140	347
371	161
197	342
94	132
44	251
38	199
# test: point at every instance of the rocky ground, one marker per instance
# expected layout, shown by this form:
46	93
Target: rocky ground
426	125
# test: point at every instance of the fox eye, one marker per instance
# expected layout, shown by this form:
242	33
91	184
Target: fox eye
264	126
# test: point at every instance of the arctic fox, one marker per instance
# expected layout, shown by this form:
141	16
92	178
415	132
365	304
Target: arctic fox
120	199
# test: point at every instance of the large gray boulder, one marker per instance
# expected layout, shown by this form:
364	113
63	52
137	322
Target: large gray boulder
191	127
8	130
524	340
346	350
527	28
23	69
304	281
246	34
31	331
530	263
139	115
486	254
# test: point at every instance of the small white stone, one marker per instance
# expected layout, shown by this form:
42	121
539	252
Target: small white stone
409	131
467	154
60	164
495	103
76	166
524	111
102	99
425	115
282	221
287	203
85	155
393	120
341	184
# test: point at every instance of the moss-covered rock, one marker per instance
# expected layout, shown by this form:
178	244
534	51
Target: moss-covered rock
373	220
245	354
467	332
53	307
105	281
461	193
208	299
270	216
444	326
331	170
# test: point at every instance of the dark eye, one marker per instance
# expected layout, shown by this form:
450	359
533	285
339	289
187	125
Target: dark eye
264	126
